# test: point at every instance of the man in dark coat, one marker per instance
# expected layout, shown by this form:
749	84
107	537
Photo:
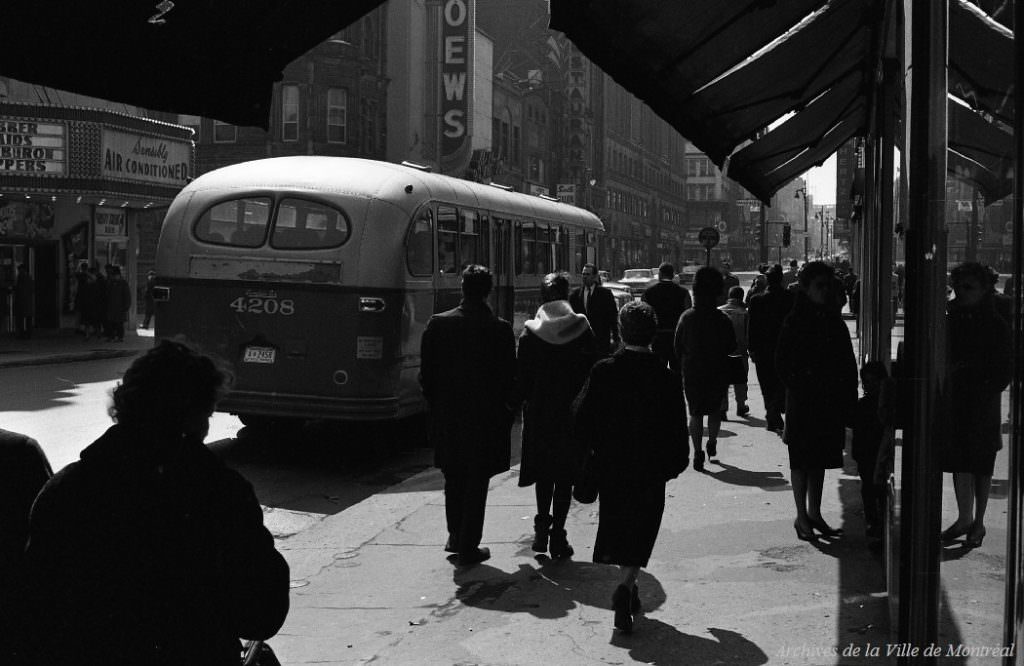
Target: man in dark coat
669	301
467	371
598	304
149	549
729	281
764	317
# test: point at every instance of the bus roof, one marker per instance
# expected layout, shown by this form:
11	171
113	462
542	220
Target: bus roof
383	180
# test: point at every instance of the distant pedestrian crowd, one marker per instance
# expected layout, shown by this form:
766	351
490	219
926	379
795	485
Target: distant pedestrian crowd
616	404
102	301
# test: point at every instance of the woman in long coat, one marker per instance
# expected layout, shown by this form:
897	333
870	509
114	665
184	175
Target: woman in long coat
632	414
703	341
816	364
980	366
556	350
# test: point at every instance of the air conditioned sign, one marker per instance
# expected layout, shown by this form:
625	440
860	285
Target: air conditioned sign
32	148
145	159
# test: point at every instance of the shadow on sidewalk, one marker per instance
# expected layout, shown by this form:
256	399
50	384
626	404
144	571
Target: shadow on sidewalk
654	642
737	476
554	588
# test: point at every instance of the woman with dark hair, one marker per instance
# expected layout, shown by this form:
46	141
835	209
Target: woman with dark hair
816	364
704	339
980	366
638	443
556	350
149	549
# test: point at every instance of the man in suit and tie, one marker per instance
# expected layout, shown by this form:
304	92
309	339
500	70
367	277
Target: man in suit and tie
598	304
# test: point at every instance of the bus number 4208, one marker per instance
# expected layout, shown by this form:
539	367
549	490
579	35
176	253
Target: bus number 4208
256	305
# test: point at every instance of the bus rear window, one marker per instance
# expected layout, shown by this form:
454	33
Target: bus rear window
308	225
240	222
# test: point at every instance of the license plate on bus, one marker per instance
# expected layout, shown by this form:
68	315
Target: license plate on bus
259	355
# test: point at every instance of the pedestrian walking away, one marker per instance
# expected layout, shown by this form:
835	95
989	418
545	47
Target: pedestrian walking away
736	311
980	366
817	366
149	549
598	304
149	299
669	301
764	323
703	341
119	302
467	372
556	351
629	415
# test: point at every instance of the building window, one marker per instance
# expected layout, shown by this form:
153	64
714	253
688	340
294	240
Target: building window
337	115
224	133
289	113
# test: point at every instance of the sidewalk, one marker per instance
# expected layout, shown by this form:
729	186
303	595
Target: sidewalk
728	582
63	346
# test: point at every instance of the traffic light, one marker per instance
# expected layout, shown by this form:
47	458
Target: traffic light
785	235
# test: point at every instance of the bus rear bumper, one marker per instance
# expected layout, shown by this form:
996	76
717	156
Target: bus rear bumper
309	406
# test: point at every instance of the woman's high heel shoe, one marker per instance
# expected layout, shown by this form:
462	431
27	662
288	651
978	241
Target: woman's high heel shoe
974	539
826	531
698	461
802	535
621	602
953	532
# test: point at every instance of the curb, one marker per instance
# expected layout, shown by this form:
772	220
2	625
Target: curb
75	357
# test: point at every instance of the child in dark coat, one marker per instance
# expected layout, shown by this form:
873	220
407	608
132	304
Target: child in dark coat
868	434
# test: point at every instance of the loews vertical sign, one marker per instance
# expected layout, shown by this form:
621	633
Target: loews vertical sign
457	31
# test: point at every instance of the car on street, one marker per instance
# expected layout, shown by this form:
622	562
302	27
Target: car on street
638	279
620	292
686	275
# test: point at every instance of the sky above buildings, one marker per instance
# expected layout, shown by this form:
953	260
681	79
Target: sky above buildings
821	181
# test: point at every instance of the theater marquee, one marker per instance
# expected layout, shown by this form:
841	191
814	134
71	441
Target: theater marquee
32	148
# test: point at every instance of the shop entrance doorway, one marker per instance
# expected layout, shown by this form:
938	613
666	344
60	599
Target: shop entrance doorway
41	261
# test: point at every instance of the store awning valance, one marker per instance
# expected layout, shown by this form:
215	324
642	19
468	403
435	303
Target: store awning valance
800	90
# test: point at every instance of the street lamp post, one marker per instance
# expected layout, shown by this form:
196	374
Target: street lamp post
796	195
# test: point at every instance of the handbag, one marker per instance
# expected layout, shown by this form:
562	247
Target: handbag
736	369
585	490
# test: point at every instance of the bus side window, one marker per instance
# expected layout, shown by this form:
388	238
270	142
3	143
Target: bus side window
540	250
419	245
526	247
469	237
447	240
484	257
517	247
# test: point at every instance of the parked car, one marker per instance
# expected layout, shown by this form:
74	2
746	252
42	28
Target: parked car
686	275
638	279
621	293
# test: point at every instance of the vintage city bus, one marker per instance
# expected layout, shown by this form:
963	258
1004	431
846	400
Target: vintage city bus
314	277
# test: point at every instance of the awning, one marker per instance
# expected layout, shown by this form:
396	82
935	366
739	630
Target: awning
215	59
806	139
780	58
980	152
802	69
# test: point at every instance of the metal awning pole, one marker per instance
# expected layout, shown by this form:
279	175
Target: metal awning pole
926	433
1013	624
